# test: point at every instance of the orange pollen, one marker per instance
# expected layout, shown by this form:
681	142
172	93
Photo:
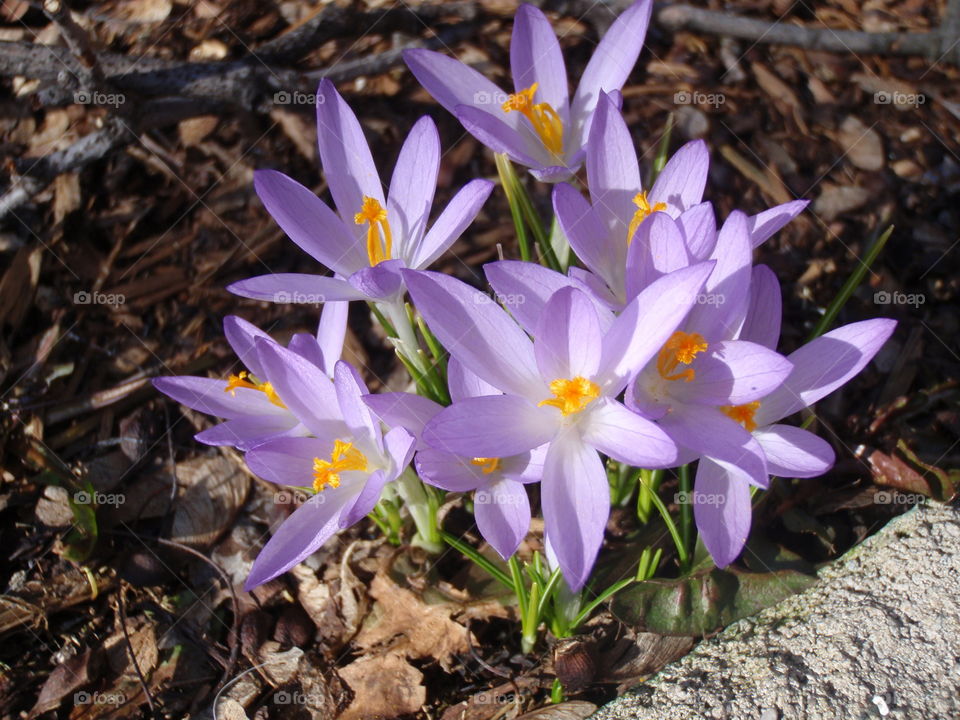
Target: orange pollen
545	120
572	396
680	349
378	247
246	380
643	212
326	473
488	465
743	414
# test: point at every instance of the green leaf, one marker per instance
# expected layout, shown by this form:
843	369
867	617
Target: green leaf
702	603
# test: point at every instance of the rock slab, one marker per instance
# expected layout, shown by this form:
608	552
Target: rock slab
877	637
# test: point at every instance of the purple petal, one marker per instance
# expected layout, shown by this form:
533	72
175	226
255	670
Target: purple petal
287	288
535	57
699	227
612	61
559	173
448	471
455	218
502	512
733	372
501	137
491	426
647	322
301	534
526	467
413	185
762	324
763	225
576	504
405	410
308	221
588	236
242	337
210	396
722	511
463	384
367	499
245	433
568	337
305	345
715	436
680	185
347	162
627	437
657	250
613	174
381	282
399	445
472	327
794	453
823	365
597	287
351	390
289	460
451	83
304	388
331	333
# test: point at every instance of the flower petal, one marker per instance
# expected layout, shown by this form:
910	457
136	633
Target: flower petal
680	185
413	184
699	227
245	433
380	282
472	327
762	325
288	461
345	155
535	57
490	426
455	218
568	337
763	225
351	390
308	221
589	236
242	337
576	504
502	512
613	174
449	472
210	396
656	250
286	288
331	333
722	511
733	372
823	365
405	410
366	501
627	437
794	453
522	146
463	384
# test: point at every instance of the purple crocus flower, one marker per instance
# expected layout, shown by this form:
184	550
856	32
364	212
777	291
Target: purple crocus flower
369	238
722	505
346	463
537	126
254	412
560	389
603	231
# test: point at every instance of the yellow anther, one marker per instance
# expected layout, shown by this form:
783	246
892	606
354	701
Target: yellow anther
573	395
644	210
680	349
543	117
246	380
742	414
326	473
372	212
488	465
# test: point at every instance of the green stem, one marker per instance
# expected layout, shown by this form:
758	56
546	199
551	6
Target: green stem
686	511
467	551
649	485
418	502
595	603
671	528
505	170
660	161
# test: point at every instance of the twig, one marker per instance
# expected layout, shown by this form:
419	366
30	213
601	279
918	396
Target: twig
78	41
133	655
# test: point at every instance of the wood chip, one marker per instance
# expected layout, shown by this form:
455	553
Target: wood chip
862	145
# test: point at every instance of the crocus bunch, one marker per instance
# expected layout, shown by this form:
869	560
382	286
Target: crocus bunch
655	349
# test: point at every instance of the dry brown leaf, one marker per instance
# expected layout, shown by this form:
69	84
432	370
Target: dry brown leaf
143	642
301	131
781	94
16	614
403	623
144	11
193	131
53	507
212	490
835	200
320	604
861	144
209	49
65	678
18	285
572	710
385	686
230	709
66	195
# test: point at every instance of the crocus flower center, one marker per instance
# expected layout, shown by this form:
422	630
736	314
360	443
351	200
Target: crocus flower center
742	414
488	465
680	349
246	380
379	238
644	210
544	119
573	395
326	473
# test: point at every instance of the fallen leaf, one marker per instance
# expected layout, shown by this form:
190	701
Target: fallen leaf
66	195
18	286
835	200
572	710
302	133
194	130
65	678
213	489
862	145
385	686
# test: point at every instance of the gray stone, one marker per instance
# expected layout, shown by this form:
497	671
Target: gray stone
877	637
